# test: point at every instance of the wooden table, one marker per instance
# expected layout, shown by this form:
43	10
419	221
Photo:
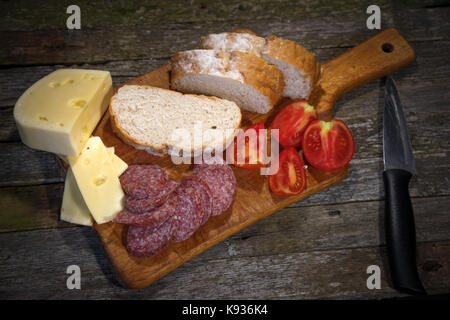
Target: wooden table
317	248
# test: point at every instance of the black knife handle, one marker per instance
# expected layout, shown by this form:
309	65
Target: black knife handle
401	233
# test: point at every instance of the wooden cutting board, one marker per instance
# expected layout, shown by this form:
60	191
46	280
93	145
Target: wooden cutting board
380	55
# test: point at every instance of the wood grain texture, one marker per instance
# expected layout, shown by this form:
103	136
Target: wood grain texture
25	16
240	269
363	183
31	207
252	202
35	265
34	166
376	57
253	199
141	40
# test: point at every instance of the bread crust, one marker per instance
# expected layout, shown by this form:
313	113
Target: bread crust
293	53
246	68
244	30
281	49
167	148
234	41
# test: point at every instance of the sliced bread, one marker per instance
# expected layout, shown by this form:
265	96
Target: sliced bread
163	121
298	65
246	79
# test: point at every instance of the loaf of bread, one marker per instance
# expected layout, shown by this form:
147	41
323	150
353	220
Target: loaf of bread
163	121
298	65
249	81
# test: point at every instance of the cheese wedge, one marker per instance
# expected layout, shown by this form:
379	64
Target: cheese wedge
59	112
97	177
74	209
119	165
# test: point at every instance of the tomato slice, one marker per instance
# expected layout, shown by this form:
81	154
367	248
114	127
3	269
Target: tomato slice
249	152
328	145
292	121
290	179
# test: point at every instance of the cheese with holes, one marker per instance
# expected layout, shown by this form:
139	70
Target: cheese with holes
59	112
97	177
74	208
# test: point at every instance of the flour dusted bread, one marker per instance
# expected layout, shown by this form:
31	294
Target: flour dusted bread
243	78
298	65
234	41
163	121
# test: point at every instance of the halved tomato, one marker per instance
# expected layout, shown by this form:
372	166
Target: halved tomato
290	179
292	121
328	145
250	151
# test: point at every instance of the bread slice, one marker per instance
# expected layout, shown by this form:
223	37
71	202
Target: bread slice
298	65
251	82
162	121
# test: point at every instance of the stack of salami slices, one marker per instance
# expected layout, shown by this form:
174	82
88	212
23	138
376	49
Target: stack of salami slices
159	210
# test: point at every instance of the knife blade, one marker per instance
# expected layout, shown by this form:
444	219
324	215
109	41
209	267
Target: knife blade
399	217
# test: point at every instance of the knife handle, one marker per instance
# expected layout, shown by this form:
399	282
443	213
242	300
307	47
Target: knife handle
401	233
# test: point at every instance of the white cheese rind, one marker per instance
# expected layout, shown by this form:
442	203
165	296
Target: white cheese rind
97	177
59	112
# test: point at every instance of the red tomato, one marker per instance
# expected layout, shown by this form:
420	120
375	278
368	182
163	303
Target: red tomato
328	145
292	121
251	152
291	176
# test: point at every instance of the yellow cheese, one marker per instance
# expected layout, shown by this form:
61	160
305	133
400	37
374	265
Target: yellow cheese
74	209
97	176
119	165
59	112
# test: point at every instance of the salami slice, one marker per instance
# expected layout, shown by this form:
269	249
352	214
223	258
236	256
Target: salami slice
205	195
188	215
143	181
221	182
152	218
138	205
144	241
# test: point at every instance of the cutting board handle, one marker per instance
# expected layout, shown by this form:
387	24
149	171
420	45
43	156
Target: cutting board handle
377	57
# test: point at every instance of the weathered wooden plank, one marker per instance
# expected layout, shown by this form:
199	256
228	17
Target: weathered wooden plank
429	133
162	40
311	274
344	28
422	85
8	129
331	227
305	228
364	181
29	16
302	269
422	20
25	166
32	207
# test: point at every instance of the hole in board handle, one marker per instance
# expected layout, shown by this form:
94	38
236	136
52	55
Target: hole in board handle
387	47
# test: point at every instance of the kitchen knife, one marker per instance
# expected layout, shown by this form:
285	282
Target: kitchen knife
399	218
